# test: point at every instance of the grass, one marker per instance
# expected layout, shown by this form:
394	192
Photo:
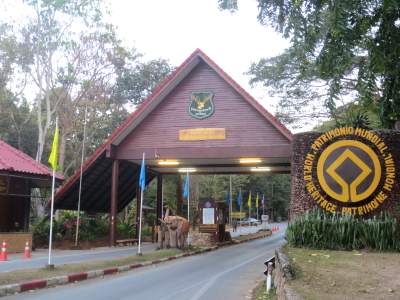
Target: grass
331	275
259	292
69	269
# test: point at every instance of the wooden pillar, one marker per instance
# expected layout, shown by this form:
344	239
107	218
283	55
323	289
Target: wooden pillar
114	201
138	202
159	196
26	211
26	207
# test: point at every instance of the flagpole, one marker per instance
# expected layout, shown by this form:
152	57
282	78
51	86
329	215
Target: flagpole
230	200
240	210
49	265
257	208
263	202
141	204
249	203
53	161
188	201
80	182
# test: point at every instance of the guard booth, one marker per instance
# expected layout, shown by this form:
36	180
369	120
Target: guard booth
212	218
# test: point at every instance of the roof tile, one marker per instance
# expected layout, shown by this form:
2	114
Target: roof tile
13	160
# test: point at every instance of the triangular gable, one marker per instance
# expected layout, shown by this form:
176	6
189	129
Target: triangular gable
244	124
173	81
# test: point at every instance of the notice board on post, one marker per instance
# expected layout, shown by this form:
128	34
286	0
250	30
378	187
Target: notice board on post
212	218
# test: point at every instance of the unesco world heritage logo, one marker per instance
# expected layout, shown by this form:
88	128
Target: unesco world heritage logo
349	171
343	174
201	104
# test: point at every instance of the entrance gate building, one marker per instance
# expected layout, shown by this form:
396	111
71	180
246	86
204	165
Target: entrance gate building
198	118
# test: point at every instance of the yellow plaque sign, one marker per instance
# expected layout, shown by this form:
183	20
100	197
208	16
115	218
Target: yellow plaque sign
208	228
238	215
198	134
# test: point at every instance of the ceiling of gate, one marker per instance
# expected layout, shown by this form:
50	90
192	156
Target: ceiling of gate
239	165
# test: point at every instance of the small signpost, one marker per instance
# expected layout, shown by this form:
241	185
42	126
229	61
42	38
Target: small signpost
270	264
264	219
212	218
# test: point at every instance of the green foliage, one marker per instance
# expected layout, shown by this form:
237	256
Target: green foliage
137	83
41	230
126	229
323	230
230	5
344	50
146	231
360	120
151	219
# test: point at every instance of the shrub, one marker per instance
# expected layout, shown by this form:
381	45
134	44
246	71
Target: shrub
320	229
126	229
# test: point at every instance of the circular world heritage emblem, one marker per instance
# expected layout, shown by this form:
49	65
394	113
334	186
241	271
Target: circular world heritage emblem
349	171
344	171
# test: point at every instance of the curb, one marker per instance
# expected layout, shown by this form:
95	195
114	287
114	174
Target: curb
7	290
48	282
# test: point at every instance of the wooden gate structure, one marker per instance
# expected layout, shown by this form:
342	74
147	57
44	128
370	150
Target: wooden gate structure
198	118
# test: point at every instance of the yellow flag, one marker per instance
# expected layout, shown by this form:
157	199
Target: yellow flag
249	201
54	150
257	200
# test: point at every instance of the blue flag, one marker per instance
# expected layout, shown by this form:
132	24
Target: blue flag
228	196
186	190
142	179
240	197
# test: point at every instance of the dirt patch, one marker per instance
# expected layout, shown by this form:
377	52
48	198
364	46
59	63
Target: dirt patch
85	245
66	244
339	275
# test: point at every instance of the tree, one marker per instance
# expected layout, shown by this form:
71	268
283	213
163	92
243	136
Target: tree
16	116
135	83
299	90
348	41
49	35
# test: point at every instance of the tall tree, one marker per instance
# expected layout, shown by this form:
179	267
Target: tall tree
355	41
135	83
52	30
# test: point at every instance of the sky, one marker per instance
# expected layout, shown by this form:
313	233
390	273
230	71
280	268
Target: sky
174	29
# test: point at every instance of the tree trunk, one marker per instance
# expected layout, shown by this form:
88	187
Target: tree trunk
179	195
63	146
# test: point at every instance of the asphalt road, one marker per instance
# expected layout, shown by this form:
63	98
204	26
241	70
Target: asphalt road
40	257
228	273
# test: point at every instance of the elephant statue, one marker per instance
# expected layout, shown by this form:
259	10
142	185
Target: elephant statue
163	235
173	231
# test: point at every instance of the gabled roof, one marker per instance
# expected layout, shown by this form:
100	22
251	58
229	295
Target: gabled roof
172	81
13	161
68	193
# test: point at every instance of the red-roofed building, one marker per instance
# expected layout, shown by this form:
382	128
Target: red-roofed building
19	174
199	118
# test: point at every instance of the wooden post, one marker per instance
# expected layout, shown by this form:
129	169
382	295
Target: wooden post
114	201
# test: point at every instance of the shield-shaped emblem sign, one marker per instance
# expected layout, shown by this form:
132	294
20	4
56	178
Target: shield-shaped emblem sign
201	104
